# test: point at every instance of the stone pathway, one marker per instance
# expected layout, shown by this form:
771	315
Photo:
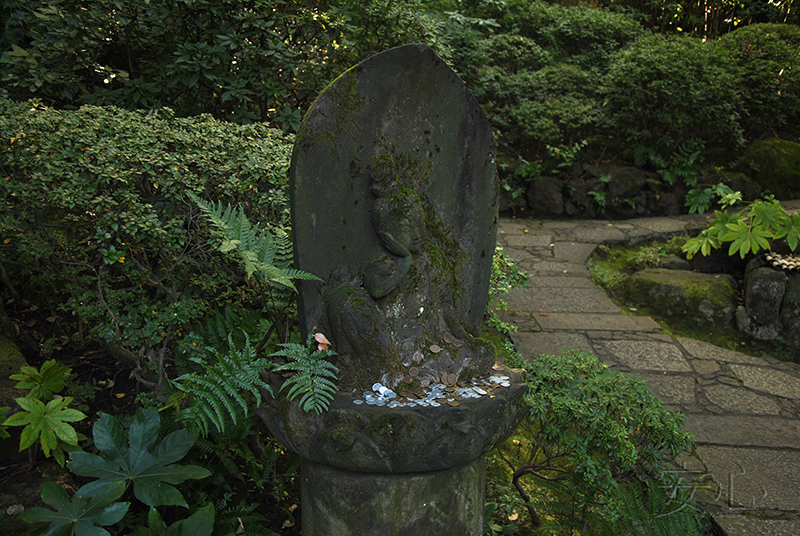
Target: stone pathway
743	411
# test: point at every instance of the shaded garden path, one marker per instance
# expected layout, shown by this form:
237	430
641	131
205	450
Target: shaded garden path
743	411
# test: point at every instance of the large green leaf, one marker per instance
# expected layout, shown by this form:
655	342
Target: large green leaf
47	423
151	470
82	516
51	378
201	523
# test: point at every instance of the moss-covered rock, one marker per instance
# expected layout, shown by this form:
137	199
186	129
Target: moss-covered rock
699	299
775	165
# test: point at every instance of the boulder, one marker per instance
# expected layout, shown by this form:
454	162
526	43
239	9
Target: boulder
701	299
775	165
544	196
673	262
764	290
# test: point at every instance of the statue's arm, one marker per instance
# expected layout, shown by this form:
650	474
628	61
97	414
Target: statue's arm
380	279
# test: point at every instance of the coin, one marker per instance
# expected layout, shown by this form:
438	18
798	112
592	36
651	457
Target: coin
436	348
453	403
452	378
358	401
408	379
413	372
448	338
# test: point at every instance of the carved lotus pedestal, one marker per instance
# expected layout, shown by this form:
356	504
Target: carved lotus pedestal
372	470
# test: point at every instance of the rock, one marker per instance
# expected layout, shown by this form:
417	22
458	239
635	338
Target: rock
626	182
544	197
702	299
775	165
719	262
789	319
673	262
739	182
764	290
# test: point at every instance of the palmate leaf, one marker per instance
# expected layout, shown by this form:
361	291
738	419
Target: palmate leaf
138	460
51	378
82	516
790	229
46	423
201	523
745	238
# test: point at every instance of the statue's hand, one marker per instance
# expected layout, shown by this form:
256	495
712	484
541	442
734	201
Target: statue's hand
394	245
380	279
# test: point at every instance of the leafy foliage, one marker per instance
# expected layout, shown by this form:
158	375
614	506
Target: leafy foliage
201	523
668	511
313	381
666	93
94	216
214	391
46	423
260	253
589	429
505	277
748	231
51	378
81	515
136	459
242	61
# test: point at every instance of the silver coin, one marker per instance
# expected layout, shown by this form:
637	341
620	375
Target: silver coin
434	404
372	402
479	391
358	401
392	405
376	386
505	384
380	402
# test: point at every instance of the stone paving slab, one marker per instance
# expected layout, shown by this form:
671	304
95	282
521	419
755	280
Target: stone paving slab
743	411
596	321
577	252
761	478
559	300
554	281
768	380
672	390
550	343
742	525
744	430
704	350
648	355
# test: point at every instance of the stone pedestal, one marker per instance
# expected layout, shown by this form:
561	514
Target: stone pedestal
337	502
375	470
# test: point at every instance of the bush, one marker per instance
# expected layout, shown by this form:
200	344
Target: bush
765	58
96	221
589	430
579	35
673	94
240	60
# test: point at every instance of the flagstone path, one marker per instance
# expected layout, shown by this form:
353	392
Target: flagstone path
743	411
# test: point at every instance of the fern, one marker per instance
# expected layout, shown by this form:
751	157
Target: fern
261	253
314	376
669	511
215	392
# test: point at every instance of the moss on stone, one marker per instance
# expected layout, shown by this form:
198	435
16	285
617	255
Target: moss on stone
775	165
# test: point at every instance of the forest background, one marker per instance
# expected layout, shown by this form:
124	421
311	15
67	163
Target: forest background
114	113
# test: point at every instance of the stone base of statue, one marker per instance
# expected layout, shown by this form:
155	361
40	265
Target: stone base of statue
403	470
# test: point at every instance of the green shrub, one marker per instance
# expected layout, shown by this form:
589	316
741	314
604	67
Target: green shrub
765	58
556	105
673	95
96	221
580	35
589	429
240	60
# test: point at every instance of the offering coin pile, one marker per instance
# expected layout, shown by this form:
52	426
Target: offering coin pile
436	395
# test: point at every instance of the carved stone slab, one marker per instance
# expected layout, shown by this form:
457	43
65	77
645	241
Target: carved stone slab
394	203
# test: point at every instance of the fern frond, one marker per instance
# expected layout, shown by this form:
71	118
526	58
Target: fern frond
314	376
261	253
215	393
